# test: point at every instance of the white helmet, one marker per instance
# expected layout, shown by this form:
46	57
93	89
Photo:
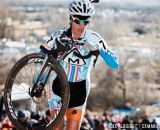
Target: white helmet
81	7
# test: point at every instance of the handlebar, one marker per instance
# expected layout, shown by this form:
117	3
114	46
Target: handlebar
55	53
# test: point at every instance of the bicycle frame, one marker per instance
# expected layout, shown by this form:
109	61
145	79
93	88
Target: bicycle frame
50	54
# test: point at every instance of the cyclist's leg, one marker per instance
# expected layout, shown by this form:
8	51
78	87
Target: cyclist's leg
60	126
78	97
53	101
74	118
77	105
73	125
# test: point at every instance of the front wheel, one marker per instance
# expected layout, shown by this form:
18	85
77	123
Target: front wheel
32	113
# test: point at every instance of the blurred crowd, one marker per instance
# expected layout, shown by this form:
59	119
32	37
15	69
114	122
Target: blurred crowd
104	121
117	121
109	120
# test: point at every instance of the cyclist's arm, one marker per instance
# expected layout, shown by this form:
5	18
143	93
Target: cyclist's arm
48	45
51	41
108	56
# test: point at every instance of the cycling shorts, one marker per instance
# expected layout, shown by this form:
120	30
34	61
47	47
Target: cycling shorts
78	93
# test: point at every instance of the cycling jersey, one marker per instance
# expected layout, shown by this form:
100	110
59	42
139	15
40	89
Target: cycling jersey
78	69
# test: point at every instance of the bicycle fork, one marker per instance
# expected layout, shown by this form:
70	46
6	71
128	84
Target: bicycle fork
38	85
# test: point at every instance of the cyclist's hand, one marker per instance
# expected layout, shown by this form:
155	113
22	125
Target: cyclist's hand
47	46
44	48
63	44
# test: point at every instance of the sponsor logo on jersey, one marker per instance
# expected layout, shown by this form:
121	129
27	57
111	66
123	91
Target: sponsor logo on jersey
74	60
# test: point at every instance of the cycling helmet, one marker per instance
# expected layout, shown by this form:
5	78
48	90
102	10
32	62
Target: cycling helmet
81	7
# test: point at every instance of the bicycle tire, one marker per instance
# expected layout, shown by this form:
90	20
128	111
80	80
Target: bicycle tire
65	91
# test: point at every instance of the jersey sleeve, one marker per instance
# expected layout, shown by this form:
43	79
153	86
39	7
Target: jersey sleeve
51	42
107	54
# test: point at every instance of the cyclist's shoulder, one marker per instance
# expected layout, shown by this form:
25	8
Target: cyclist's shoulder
59	32
93	35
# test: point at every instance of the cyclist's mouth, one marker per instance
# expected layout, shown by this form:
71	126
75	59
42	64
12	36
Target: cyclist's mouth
81	30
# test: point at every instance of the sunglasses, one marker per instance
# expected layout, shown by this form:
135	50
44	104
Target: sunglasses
80	22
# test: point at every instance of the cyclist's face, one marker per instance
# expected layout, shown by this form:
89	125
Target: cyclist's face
78	27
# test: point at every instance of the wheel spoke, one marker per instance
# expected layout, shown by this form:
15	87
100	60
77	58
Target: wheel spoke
21	86
27	75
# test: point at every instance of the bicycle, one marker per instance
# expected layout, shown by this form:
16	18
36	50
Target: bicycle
35	85
29	78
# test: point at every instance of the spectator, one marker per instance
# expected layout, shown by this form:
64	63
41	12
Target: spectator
96	122
154	125
23	118
107	121
85	125
7	126
91	122
101	121
126	122
144	123
3	115
136	123
44	120
34	118
1	108
5	120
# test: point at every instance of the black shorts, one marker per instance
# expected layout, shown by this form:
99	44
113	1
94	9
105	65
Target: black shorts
77	92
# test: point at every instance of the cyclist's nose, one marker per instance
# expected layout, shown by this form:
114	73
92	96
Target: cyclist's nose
82	26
